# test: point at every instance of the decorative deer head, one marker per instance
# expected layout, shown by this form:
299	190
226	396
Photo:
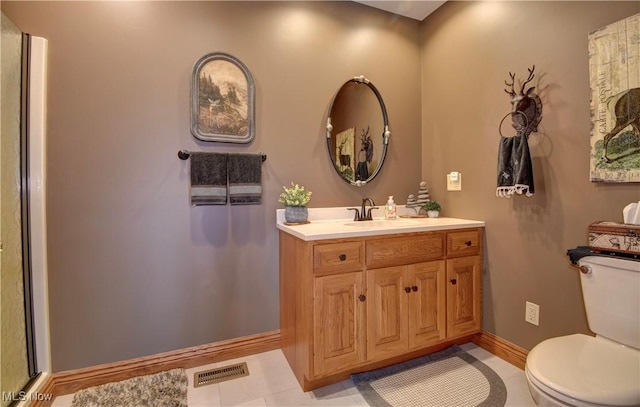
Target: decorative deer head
366	144
518	100
524	104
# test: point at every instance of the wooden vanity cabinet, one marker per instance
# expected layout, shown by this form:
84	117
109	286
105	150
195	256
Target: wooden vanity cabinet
406	301
405	308
349	305
463	290
338	322
464	282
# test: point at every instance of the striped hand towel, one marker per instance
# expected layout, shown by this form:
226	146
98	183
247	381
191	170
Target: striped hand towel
208	178
245	179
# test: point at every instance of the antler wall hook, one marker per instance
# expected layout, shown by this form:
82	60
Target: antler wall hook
526	106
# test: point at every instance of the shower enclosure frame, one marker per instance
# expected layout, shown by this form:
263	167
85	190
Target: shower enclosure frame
32	193
25	209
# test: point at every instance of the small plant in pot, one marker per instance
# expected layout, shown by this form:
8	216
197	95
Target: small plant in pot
295	199
433	209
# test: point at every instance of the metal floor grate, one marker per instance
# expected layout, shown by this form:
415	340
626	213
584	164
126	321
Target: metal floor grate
220	374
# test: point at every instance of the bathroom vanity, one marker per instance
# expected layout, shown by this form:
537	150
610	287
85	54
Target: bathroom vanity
356	296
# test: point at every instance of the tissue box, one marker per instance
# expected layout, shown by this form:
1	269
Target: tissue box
615	237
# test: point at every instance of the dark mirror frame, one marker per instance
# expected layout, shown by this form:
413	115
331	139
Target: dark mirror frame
361	80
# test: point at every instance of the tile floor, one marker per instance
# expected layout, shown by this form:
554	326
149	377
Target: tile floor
271	383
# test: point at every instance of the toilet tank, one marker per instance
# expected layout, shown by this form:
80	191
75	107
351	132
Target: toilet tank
611	291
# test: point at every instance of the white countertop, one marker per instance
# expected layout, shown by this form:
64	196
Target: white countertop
335	223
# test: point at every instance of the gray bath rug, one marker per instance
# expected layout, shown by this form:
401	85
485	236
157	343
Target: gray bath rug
165	389
448	378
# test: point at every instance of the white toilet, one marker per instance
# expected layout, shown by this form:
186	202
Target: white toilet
581	370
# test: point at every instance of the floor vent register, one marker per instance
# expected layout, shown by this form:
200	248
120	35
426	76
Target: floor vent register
220	374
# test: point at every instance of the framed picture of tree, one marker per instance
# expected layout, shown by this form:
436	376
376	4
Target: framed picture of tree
222	100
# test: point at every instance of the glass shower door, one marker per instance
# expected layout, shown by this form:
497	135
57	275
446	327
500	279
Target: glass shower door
16	345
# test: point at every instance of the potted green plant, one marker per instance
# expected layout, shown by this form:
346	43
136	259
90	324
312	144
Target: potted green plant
295	199
433	209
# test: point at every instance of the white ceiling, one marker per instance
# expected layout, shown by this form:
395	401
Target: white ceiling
416	9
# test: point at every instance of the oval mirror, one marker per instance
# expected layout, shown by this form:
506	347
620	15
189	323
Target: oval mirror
357	131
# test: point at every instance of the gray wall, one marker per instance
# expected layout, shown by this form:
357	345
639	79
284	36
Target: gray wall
133	268
468	48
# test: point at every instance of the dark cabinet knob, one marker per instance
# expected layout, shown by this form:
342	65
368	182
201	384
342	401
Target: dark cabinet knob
342	257
467	242
414	288
362	298
407	289
453	281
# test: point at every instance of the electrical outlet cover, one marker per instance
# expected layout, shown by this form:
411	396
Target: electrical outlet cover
532	313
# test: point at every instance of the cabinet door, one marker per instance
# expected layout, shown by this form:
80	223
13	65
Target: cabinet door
338	322
386	312
427	317
464	296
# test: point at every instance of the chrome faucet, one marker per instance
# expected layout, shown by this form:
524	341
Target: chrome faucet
363	213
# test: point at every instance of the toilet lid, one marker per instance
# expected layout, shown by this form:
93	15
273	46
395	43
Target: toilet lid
594	370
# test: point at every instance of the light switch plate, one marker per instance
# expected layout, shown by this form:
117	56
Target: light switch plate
454	181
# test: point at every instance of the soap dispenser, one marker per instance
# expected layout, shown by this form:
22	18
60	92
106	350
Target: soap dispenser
390	209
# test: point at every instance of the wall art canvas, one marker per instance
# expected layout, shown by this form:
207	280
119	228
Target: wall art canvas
222	100
614	75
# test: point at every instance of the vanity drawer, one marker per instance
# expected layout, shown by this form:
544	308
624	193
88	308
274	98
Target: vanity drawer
464	243
337	257
399	251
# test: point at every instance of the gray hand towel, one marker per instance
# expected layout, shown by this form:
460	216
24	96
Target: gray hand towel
515	172
208	178
245	179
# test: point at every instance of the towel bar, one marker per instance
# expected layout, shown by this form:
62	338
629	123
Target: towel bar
184	155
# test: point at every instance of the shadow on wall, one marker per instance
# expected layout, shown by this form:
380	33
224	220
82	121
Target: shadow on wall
532	214
224	225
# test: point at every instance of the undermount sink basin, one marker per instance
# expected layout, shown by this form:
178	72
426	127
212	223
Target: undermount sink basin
382	223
